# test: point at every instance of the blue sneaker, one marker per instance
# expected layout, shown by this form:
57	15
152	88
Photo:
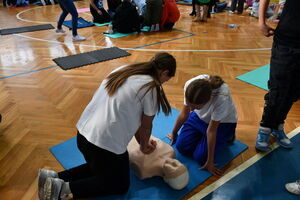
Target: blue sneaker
282	139
262	141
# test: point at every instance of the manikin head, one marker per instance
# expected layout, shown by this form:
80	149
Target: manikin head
176	174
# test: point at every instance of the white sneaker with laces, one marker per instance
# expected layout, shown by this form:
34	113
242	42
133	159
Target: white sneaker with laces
293	187
60	30
78	38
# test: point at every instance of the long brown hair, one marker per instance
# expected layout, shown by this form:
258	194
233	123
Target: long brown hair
161	61
199	91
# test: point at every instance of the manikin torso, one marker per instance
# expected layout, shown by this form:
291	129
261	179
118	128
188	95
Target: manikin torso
161	162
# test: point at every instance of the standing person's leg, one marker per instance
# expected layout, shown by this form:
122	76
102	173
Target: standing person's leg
205	13
278	102
198	13
70	6
290	93
210	6
240	7
193	13
62	17
233	5
225	134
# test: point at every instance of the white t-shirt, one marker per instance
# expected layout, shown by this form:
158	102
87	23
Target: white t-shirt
219	108
111	122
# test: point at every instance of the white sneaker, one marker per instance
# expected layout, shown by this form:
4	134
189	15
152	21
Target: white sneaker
52	188
293	187
60	30
78	38
42	176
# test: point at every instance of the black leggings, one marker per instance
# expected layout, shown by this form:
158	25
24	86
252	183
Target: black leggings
105	173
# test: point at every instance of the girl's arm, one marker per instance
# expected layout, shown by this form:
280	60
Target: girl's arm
211	143
265	29
143	135
182	117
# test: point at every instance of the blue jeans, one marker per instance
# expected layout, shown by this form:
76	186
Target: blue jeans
284	85
192	140
67	7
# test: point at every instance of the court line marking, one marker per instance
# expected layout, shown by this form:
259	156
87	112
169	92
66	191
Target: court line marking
28	72
215	185
136	49
133	48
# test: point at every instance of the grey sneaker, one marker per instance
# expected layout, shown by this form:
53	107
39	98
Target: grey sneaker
78	38
52	188
60	30
293	187
42	176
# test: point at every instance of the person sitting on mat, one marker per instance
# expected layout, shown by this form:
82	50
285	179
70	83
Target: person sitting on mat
67	7
208	119
99	13
170	15
153	14
161	162
126	18
123	106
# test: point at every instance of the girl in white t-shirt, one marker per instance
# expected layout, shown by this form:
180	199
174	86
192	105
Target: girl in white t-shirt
123	106
208	120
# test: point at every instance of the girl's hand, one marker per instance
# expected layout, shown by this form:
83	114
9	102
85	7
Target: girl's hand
266	30
211	167
172	137
150	147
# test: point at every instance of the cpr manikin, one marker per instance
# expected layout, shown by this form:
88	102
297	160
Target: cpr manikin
161	162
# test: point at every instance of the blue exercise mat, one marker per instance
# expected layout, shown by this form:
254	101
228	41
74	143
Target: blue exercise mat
82	23
154	188
265	179
258	77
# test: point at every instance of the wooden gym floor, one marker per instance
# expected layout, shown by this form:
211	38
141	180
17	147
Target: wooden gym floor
40	104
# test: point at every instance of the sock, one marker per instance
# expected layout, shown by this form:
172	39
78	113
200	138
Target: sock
65	190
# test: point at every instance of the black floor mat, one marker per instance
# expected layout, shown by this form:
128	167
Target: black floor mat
78	60
26	29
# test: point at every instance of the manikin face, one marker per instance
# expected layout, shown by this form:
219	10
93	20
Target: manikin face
176	175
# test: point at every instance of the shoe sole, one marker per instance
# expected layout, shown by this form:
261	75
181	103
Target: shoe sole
47	189
286	147
262	150
40	185
291	192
